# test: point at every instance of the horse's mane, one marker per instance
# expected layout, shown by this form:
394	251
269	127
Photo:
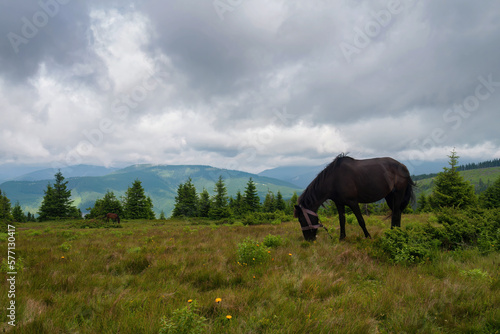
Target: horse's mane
309	195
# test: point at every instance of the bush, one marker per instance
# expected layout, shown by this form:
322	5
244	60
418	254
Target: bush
256	218
185	321
251	252
413	244
273	241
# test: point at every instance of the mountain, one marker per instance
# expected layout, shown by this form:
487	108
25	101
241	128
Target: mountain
300	176
159	181
70	171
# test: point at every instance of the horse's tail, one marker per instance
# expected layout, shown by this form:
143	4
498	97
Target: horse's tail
409	194
118	218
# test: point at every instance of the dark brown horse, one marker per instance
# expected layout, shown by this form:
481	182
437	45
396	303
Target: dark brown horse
112	216
347	181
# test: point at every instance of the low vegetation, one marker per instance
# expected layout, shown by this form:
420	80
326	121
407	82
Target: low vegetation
179	276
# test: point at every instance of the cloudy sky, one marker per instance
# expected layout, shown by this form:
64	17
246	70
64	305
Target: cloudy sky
247	84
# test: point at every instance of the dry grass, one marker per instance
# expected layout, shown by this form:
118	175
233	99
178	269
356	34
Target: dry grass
124	280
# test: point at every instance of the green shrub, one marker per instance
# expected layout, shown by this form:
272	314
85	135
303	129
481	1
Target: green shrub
350	218
273	241
412	244
184	321
252	252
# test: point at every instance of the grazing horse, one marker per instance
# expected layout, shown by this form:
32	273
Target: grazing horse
347	181
112	216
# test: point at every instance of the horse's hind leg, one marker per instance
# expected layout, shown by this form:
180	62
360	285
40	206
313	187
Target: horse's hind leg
394	200
359	217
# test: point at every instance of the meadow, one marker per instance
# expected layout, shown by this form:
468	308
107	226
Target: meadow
73	279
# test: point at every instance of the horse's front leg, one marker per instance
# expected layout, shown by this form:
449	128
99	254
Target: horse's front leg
341	210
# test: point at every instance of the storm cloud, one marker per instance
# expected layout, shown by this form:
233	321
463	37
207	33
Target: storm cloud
247	84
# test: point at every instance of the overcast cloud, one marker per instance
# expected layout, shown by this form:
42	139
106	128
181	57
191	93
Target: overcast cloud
247	84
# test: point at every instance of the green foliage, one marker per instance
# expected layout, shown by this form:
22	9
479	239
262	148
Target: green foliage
136	204
219	207
490	198
471	228
18	214
450	188
258	218
251	198
56	203
4	207
204	204
409	245
273	241
186	201
251	252
184	321
108	204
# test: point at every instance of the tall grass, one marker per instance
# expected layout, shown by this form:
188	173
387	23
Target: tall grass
127	280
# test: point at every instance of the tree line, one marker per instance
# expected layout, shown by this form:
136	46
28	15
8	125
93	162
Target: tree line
188	203
450	191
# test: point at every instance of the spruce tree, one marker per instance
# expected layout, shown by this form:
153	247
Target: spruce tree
280	202
204	204
490	198
56	203
108	204
186	201
450	189
269	202
4	207
18	214
136	204
219	207
237	205
251	199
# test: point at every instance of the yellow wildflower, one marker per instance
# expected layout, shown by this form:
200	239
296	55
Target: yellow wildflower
218	300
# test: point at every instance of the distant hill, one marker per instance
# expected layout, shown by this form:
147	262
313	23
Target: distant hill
475	176
70	171
300	176
159	181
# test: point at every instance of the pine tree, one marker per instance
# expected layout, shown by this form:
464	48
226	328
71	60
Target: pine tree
251	199
292	203
204	204
490	198
18	214
237	205
269	202
451	190
219	208
56	203
422	203
280	202
4	207
136	204
186	201
108	204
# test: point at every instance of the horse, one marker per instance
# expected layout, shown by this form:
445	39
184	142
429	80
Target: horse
112	216
347	181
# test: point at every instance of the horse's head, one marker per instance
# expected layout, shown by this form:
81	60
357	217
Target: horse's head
309	222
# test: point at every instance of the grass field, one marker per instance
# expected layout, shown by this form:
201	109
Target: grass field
124	280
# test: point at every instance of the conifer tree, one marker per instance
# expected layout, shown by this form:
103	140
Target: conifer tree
237	205
186	201
490	198
4	207
269	202
18	214
204	204
219	206
451	190
251	199
56	203
108	204
136	204
280	202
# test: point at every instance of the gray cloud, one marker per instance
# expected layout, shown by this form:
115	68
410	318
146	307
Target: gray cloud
109	83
